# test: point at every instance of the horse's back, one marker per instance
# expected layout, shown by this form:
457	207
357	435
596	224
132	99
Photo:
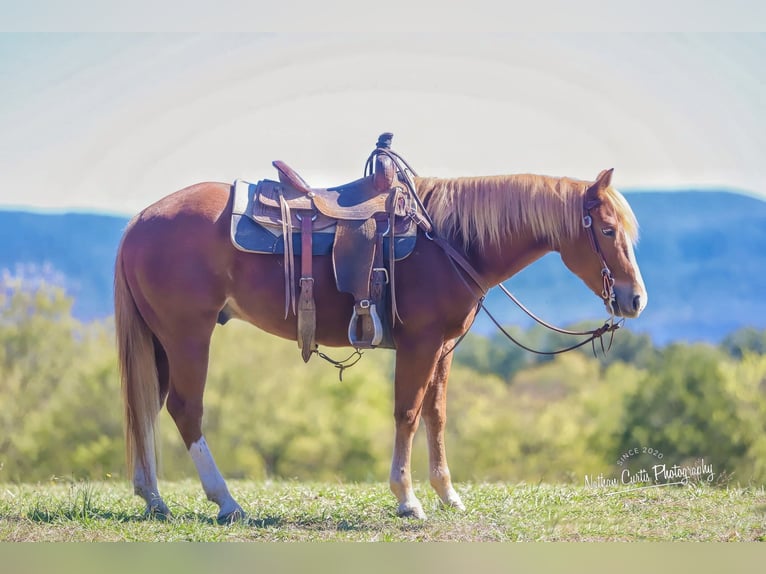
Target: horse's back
193	212
206	200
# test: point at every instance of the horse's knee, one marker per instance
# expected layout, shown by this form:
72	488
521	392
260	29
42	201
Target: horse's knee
406	417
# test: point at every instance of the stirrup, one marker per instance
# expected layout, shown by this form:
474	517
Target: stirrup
377	335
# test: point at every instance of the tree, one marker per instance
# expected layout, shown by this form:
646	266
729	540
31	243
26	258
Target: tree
493	355
744	340
60	413
687	408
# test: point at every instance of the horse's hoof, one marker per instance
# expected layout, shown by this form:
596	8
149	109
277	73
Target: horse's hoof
157	511
411	511
232	516
454	503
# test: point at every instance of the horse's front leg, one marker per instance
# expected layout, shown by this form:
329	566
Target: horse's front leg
415	363
435	417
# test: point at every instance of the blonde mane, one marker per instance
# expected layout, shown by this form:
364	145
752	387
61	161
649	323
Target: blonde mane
487	210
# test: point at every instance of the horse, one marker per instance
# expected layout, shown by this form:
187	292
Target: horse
177	272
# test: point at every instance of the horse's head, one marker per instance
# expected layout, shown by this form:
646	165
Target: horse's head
602	254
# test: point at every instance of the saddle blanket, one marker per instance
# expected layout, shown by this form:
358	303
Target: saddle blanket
252	237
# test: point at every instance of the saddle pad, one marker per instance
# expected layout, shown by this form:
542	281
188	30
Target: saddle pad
252	237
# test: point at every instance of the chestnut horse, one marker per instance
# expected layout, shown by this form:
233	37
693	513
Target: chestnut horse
177	270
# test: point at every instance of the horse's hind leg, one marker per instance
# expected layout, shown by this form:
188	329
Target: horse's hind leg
145	468
188	370
145	483
435	417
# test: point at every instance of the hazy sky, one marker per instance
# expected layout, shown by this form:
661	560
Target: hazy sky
114	122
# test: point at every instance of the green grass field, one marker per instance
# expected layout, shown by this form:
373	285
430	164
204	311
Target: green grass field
293	511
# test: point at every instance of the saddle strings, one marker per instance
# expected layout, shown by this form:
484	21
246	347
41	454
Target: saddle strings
287	234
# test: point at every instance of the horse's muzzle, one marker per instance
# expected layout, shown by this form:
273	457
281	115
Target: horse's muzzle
628	302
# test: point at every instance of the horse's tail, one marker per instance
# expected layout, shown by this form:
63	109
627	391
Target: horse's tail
138	372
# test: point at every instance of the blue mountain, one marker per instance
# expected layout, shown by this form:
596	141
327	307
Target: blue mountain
702	255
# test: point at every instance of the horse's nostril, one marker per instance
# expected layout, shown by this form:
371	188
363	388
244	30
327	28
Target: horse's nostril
636	302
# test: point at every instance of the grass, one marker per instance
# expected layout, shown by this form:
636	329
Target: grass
293	511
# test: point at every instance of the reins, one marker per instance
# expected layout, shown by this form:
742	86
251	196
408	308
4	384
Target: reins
609	326
607	293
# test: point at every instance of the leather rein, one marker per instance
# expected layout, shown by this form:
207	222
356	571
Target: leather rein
457	259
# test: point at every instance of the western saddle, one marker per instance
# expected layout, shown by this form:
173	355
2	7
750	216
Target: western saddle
380	206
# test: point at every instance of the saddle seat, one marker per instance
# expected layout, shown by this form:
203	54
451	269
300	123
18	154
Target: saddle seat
360	199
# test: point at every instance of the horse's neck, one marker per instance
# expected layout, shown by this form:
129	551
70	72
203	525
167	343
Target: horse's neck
496	263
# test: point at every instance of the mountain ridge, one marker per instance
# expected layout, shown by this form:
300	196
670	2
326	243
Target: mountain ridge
702	256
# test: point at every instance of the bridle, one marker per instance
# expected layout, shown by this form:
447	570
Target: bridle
607	292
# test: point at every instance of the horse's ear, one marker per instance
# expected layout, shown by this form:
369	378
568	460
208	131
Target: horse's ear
603	181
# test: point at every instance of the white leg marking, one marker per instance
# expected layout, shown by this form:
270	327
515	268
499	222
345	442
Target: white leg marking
212	481
442	484
145	481
400	479
409	505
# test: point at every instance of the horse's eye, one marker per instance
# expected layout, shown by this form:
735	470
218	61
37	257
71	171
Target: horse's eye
608	231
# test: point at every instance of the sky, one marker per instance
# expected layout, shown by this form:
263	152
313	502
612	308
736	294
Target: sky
113	122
